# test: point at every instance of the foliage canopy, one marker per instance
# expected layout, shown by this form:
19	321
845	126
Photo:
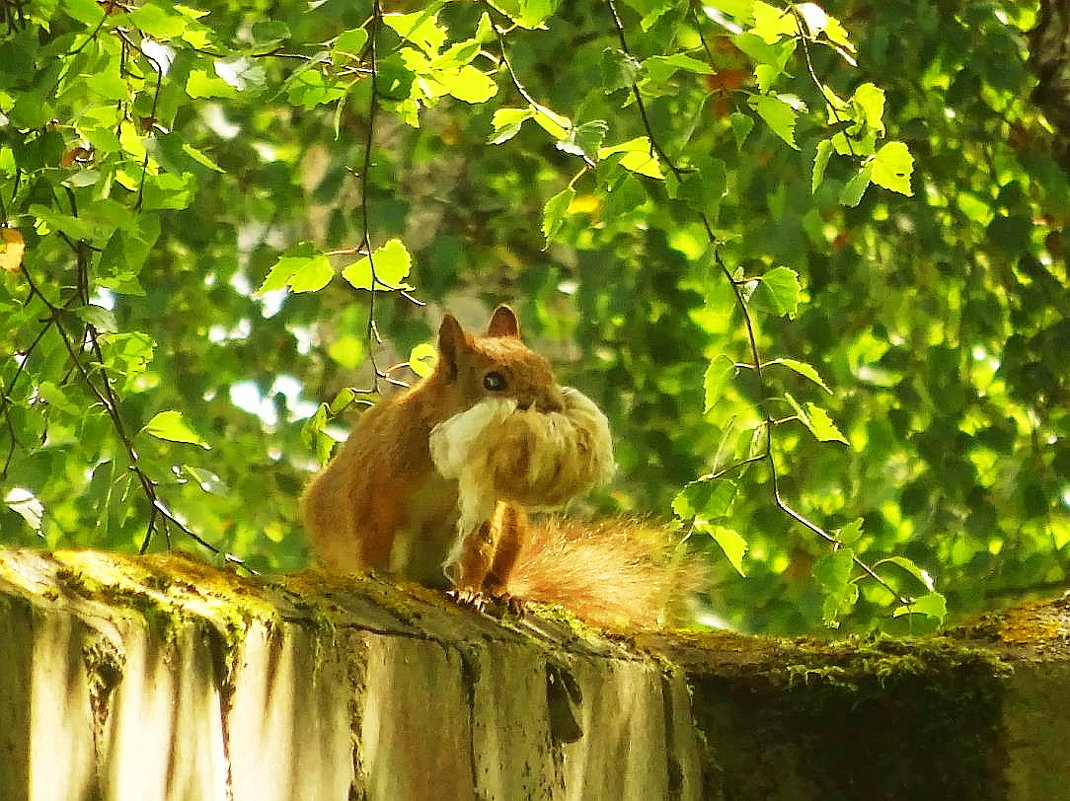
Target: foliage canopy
811	261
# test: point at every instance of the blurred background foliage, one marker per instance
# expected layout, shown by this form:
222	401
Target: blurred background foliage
646	182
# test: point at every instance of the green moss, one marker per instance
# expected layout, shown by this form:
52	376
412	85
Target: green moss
915	718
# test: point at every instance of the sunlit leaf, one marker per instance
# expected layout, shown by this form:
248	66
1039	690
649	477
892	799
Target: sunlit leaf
25	504
507	122
638	157
420	27
821	161
172	426
773	23
718	375
892	167
816	420
730	541
910	567
705	499
422	359
557	125
469	84
932	605
778	115
803	369
390	264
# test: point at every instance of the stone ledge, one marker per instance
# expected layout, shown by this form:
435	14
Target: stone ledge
160	677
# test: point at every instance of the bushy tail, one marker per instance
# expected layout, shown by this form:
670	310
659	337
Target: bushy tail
613	574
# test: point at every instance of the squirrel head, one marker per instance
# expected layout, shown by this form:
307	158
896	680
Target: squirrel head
495	365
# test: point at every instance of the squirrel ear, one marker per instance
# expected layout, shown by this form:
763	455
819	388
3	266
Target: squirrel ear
452	339
503	323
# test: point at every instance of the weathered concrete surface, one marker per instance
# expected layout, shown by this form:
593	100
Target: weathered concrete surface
162	678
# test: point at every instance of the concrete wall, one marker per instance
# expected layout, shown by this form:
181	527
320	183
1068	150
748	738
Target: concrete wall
161	678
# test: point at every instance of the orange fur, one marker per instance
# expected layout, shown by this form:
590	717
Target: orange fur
433	483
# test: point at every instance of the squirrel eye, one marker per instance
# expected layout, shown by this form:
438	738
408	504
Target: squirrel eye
494	381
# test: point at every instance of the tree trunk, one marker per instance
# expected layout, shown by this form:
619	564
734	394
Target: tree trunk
1049	59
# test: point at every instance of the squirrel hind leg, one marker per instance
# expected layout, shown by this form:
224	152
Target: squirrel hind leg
511	528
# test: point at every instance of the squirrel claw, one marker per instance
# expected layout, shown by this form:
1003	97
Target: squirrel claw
468	597
515	605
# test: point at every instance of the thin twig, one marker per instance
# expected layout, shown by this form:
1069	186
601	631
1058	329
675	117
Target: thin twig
763	393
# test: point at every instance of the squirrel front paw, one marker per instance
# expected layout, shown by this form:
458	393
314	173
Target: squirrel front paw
478	600
465	596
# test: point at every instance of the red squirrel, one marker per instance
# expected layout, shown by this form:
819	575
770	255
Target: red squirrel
434	483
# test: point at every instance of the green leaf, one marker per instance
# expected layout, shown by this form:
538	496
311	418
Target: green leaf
485	29
528	14
717	376
803	369
892	167
852	191
157	21
584	140
733	545
821	162
742	125
342	399
781	288
772	23
932	605
778	115
908	565
55	397
620	70
170	425
553	214
422	359
420	27
822	426
391	262
557	125
660	68
833	573
351	43
468	84
816	420
870	102
312	276
638	157
103	320
507	121
705	186
851	533
88	12
302	270
201	158
201	84
705	499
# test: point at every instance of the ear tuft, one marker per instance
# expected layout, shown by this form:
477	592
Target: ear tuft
452	339
503	323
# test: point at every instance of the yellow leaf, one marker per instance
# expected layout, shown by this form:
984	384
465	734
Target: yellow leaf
12	247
